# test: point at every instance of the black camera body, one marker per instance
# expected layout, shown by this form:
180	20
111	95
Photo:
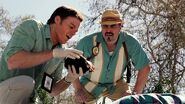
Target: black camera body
81	62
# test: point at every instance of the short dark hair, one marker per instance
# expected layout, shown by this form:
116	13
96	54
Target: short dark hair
64	12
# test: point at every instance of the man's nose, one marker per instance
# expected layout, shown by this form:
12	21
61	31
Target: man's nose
108	29
74	30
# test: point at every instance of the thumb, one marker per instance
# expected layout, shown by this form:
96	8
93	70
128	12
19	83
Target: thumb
80	71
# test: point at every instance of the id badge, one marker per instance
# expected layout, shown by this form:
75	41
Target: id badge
47	82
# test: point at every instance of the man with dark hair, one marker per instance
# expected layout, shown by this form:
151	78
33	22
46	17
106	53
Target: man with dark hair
109	51
34	49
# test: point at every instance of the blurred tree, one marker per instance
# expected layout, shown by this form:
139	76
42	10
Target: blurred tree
2	29
7	25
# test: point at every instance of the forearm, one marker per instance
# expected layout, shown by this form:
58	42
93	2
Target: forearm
24	59
63	84
142	78
59	87
76	84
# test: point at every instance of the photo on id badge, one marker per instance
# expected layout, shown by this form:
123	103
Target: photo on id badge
47	82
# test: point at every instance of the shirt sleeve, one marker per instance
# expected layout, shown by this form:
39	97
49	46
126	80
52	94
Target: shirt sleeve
23	38
136	53
85	45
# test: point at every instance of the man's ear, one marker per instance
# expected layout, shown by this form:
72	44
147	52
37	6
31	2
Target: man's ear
57	20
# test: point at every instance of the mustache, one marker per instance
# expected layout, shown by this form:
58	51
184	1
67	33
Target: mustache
109	33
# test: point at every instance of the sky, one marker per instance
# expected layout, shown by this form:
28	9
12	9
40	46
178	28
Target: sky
41	9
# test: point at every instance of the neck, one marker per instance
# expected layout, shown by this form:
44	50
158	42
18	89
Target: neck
111	47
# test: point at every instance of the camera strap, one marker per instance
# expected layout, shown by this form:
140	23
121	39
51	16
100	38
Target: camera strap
95	49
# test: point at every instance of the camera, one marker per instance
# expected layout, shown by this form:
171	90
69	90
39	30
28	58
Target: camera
81	62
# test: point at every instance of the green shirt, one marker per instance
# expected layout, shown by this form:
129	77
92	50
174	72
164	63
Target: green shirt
32	36
110	68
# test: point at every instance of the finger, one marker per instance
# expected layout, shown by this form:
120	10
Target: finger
74	55
69	69
71	56
92	67
77	52
74	70
80	71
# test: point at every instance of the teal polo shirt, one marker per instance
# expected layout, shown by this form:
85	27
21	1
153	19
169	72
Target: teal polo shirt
32	36
110	68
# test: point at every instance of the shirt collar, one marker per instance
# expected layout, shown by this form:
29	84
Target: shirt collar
47	31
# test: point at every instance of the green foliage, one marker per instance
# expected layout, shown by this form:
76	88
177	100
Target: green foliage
158	88
42	97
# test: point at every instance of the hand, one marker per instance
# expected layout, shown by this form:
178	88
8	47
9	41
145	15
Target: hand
91	66
69	52
72	75
80	96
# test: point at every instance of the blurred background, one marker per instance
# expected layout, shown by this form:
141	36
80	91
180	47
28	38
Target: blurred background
159	25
